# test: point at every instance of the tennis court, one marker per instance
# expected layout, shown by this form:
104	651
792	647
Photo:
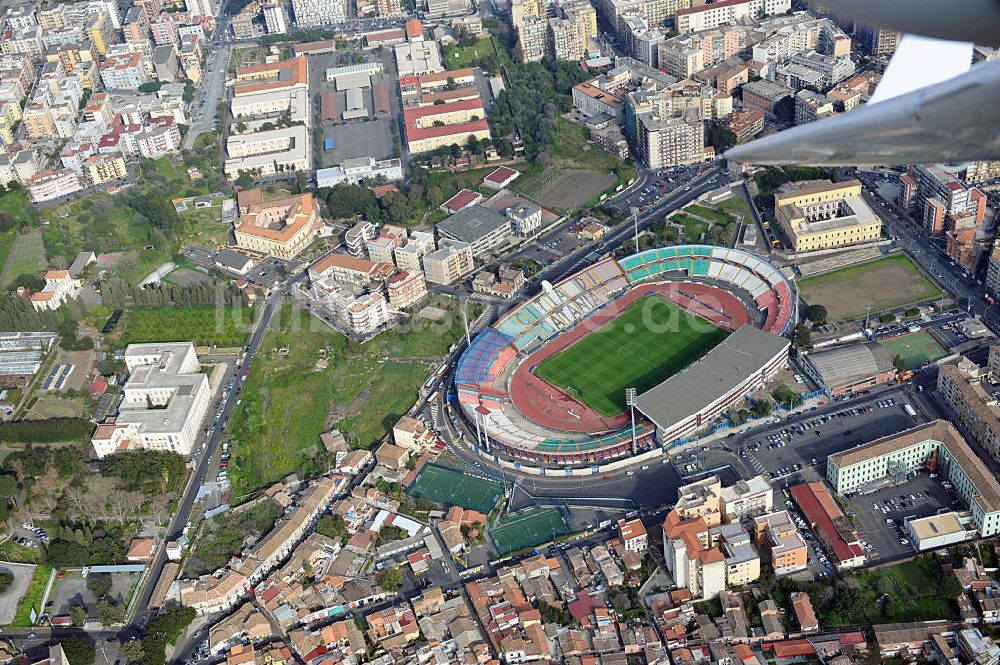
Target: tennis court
914	348
443	485
526	528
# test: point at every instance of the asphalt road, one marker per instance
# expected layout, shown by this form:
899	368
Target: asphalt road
208	450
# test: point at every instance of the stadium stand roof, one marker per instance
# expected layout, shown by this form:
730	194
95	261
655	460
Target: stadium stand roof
711	377
848	364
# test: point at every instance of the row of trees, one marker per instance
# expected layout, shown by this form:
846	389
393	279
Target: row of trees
119	294
51	430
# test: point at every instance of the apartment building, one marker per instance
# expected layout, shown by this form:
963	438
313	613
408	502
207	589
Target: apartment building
673	140
274	17
52	184
708	16
944	202
442	8
706	559
821	214
532	38
357	310
880	42
451	261
764	95
409	255
164	401
963	389
786	550
936	445
124	72
102	168
280	227
633	535
993	272
314	13
160	139
811	106
406	288
381	249
746	124
352	270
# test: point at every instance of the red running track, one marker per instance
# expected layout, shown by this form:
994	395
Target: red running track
540	401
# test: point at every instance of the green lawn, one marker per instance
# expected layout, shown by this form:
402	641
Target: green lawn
884	284
32	598
461	57
288	402
708	213
693	228
205	326
27	257
914	348
649	342
736	204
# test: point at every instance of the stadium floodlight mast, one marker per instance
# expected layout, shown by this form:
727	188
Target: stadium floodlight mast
630	400
635	221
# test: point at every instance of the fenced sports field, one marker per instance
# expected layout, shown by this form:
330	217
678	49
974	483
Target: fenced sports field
444	485
526	528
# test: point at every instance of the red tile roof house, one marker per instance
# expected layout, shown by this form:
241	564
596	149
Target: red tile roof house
461	201
500	178
140	550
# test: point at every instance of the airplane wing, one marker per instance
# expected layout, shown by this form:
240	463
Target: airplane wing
924	110
955	120
976	21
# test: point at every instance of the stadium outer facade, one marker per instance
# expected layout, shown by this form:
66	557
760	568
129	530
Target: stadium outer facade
666	414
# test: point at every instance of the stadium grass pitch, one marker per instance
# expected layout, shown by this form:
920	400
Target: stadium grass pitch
649	342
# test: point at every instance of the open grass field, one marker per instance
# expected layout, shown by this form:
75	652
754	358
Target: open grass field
26	257
578	173
912	596
288	402
735	205
708	213
914	348
452	488
461	57
527	528
883	284
205	326
649	342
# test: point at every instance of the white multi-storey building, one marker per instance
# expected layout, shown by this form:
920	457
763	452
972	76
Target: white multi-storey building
164	400
319	12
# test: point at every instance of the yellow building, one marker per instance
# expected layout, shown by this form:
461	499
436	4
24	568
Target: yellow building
282	227
820	214
102	168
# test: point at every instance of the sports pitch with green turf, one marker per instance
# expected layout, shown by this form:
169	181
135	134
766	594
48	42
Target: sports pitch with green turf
649	342
528	527
914	348
444	485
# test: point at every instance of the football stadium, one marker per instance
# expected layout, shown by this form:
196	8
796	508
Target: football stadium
692	329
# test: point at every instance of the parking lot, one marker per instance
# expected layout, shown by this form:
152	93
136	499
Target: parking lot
807	441
879	515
